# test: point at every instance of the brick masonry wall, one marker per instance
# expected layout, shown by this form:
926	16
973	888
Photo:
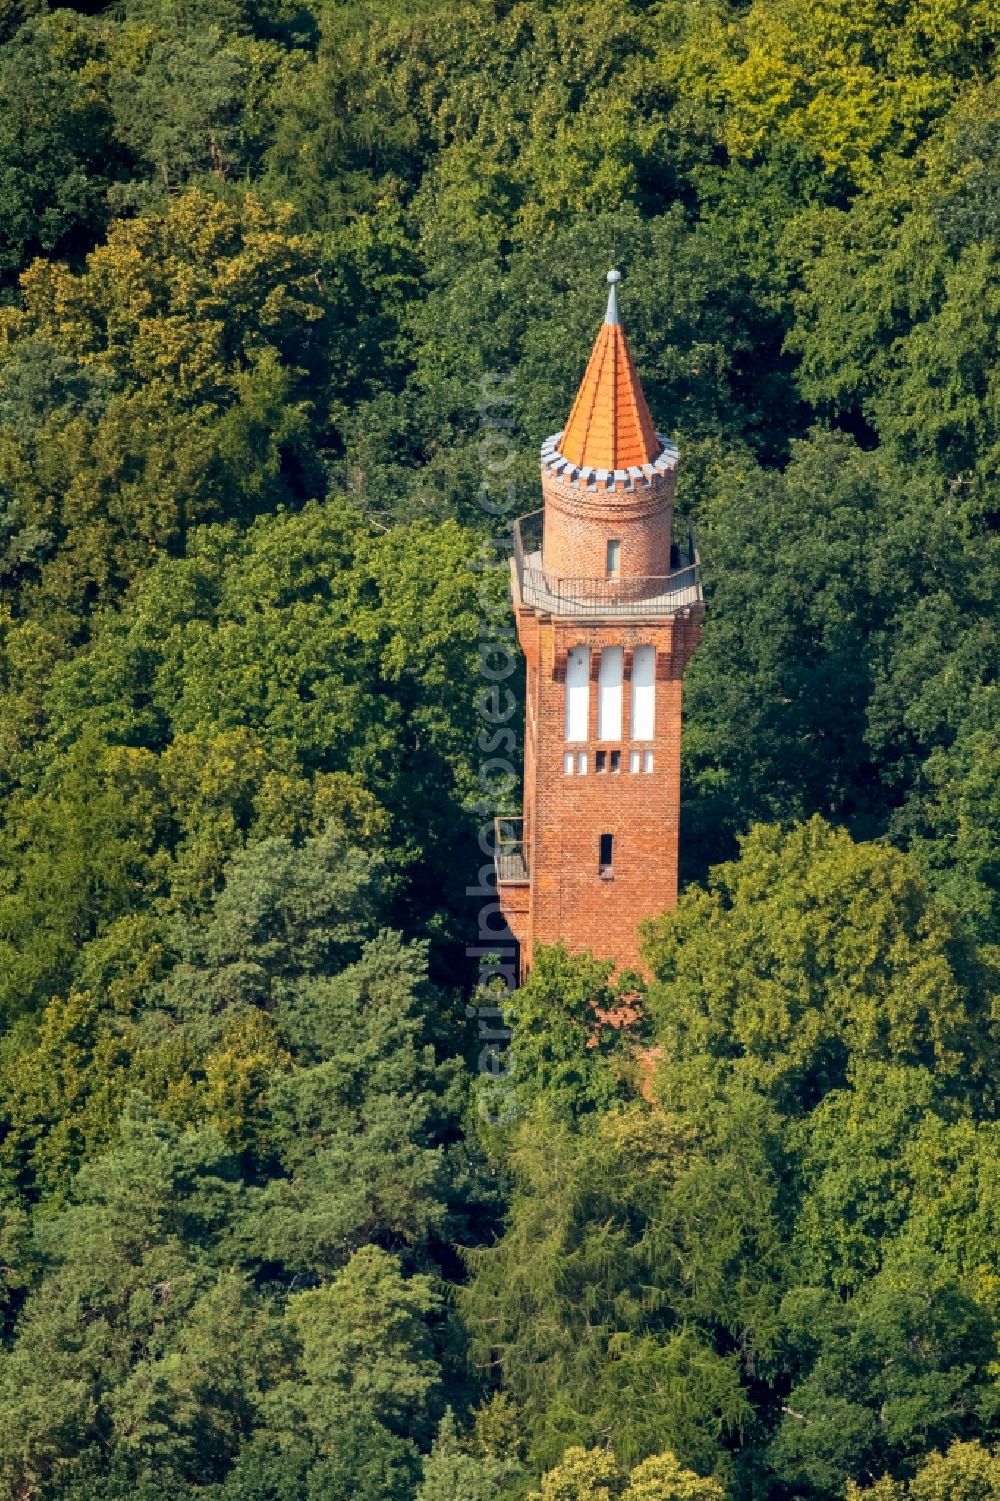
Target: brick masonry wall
579	523
565	815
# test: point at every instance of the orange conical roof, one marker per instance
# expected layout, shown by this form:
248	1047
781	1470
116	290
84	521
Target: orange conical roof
609	426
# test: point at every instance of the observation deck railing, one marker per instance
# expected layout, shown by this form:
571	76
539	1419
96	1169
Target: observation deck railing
510	851
652	594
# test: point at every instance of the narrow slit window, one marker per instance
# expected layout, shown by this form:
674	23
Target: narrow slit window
635	761
648	761
600	760
614	558
568	760
606	856
581	763
616	760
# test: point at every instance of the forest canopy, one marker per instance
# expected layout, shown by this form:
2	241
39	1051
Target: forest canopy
259	1238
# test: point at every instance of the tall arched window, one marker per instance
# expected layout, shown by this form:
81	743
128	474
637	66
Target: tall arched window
644	693
609	694
578	693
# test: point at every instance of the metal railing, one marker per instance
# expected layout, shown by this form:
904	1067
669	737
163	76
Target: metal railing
653	594
510	850
528	536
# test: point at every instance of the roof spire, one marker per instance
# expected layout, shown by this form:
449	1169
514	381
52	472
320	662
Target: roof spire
611	316
609	427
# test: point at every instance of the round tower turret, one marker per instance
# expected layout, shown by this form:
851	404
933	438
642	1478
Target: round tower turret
608	478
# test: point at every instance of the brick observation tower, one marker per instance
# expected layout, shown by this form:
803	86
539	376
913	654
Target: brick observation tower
609	609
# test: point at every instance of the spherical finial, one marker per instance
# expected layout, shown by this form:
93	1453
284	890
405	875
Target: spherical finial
613	277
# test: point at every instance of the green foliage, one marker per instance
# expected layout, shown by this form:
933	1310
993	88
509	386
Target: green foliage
851	652
661	1478
267	269
131	1330
365	1349
798	975
601	1300
56	161
453	1472
198	326
271	618
582	1473
777	695
361	1134
842	85
903	1367
967	1472
179	101
310	1119
898	300
580	1477
810	956
956	831
569	1025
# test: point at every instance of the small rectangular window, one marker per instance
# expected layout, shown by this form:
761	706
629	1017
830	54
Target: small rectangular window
648	766
606	856
614	558
616	760
600	760
581	763
634	761
568	760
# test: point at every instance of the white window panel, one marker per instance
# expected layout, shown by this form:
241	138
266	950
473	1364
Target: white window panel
577	693
609	694
644	693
